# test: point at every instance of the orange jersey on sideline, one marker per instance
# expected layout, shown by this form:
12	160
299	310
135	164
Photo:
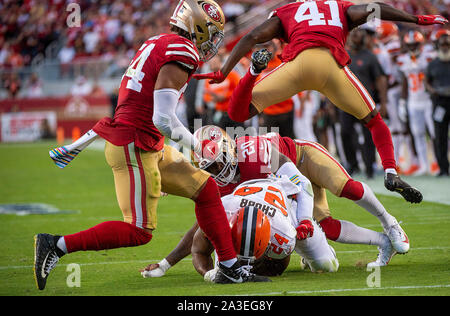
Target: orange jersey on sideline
224	89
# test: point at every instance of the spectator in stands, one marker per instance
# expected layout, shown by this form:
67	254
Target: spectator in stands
34	87
12	85
82	87
438	85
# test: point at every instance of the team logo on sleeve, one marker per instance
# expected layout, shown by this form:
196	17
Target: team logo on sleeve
212	12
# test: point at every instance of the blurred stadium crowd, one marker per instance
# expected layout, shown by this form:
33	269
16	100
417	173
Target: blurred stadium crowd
38	48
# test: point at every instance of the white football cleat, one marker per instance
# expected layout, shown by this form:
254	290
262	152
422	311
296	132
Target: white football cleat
303	264
386	252
398	238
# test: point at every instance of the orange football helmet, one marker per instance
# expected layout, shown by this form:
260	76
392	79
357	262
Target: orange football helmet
435	36
413	37
387	31
413	41
250	230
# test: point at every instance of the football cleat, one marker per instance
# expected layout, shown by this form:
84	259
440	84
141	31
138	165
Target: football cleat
237	273
398	238
62	157
45	258
386	252
393	183
260	60
303	263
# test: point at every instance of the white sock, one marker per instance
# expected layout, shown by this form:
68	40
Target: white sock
61	244
372	205
228	263
390	170
352	234
83	141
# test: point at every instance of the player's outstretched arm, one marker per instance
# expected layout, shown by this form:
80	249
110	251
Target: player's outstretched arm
360	14
181	251
201	253
263	33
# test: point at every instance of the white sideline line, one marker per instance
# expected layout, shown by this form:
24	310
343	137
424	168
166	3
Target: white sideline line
189	259
353	290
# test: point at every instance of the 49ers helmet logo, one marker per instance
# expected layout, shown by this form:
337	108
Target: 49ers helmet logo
215	134
212	12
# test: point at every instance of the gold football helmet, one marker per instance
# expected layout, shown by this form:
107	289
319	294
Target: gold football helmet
218	154
204	21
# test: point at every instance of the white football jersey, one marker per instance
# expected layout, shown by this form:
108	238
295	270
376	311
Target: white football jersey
414	69
273	196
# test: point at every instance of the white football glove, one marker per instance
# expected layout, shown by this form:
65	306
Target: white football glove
160	271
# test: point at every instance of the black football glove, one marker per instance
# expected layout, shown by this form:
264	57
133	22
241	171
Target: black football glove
260	60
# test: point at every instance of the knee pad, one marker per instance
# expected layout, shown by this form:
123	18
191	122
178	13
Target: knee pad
331	227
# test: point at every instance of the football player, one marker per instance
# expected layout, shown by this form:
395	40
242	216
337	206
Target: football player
276	197
141	163
315	59
415	103
232	163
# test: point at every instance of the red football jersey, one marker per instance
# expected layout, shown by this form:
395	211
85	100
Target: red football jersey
254	157
133	119
315	24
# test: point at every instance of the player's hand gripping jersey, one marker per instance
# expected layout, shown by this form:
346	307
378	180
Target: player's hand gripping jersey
273	196
315	24
134	113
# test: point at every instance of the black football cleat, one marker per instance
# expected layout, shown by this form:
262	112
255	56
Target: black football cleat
393	183
45	258
237	273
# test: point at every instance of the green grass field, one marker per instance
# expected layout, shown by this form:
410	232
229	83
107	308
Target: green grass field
27	175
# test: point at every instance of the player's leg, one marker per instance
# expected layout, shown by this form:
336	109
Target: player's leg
282	83
326	173
180	178
317	253
418	130
345	90
137	189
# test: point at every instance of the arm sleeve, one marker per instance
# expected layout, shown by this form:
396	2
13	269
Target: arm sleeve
166	121
305	199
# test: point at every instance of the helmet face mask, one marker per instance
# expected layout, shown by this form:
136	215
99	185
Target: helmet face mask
204	21
210	48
